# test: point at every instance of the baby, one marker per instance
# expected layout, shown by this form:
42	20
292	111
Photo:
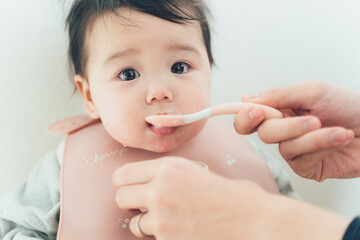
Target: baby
132	59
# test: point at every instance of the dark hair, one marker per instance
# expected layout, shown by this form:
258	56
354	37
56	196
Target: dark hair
84	12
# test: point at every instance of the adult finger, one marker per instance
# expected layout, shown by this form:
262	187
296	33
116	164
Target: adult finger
325	138
136	172
279	130
310	166
140	225
298	96
132	197
247	120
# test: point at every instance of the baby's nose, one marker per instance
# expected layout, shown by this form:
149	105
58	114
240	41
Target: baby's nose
157	93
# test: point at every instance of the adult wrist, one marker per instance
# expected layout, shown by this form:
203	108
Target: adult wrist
298	220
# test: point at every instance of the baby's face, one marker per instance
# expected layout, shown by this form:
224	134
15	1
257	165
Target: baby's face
144	66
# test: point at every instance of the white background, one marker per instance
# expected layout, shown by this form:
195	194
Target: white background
258	44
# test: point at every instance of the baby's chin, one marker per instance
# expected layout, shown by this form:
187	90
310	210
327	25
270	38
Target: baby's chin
157	146
167	143
171	144
162	149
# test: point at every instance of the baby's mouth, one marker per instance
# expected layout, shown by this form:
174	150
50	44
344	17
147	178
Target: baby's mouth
161	131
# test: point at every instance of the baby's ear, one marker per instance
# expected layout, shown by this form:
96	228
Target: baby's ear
83	88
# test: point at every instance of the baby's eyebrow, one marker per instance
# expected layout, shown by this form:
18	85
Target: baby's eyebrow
183	47
127	52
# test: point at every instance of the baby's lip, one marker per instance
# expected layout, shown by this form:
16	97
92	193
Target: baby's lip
162	113
162	131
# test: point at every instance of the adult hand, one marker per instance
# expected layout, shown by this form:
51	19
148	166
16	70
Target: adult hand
184	201
320	137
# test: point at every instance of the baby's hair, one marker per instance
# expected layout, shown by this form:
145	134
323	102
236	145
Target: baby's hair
84	12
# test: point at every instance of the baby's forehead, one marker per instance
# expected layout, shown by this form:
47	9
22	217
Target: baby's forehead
128	18
131	35
85	16
128	26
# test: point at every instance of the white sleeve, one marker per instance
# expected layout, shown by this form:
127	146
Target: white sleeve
31	209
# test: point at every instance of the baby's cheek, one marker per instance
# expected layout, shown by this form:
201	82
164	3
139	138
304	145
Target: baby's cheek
131	129
128	136
195	103
122	127
198	97
194	129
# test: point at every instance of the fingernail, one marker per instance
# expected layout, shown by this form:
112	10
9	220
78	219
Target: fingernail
311	125
350	134
338	136
255	113
249	97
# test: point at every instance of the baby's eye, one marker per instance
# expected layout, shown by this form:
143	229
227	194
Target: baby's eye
180	68
128	74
